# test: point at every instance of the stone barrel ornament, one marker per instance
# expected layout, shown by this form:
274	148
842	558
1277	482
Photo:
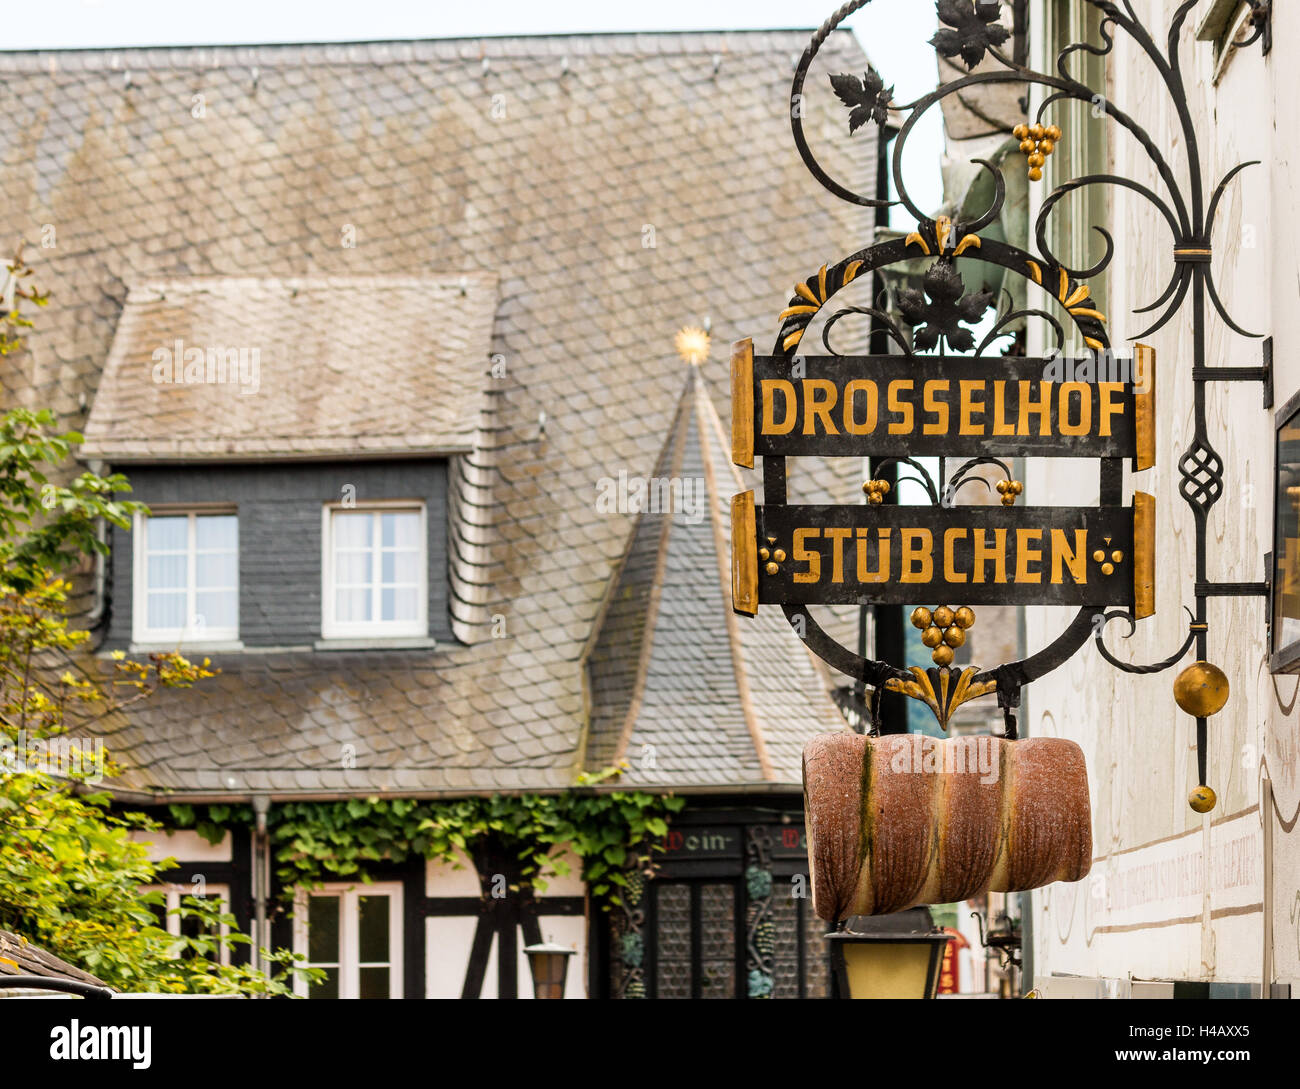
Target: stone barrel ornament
904	819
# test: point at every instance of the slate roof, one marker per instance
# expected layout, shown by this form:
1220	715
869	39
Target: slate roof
314	367
682	690
617	186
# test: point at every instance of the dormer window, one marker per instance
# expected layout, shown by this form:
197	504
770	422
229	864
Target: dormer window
375	568
186	578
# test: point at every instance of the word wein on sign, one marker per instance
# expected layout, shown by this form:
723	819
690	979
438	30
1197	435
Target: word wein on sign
842	555
884	405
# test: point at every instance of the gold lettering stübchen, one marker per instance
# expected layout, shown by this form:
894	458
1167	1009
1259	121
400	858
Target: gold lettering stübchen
994	408
1023	556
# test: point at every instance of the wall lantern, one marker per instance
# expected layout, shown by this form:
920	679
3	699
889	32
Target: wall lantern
897	956
549	964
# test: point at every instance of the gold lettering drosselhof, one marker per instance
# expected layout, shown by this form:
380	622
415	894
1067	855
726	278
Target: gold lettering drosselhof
1023	556
940	406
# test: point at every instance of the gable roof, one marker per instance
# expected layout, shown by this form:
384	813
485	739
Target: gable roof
683	691
228	368
618	187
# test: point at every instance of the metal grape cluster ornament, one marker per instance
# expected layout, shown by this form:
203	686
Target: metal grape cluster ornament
981	409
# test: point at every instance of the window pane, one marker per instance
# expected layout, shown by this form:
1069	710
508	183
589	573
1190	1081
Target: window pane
783	910
168	534
167	572
352	530
400	605
323	929
159	912
376	582
167	575
374	983
673	937
352	568
166	610
215	570
352	605
401	567
717	924
372	929
401	529
328	989
214	532
816	953
216	609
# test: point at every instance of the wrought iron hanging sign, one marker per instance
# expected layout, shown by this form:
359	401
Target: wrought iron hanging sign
982	408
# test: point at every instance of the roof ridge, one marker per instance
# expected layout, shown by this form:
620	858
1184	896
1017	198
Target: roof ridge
678	438
180	284
405	50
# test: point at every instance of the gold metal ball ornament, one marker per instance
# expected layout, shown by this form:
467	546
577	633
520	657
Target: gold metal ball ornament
921	618
964	617
1202	799
943	616
876	490
943	655
954	636
1201	689
932	637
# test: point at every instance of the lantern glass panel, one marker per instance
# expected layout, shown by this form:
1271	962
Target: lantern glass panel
887	969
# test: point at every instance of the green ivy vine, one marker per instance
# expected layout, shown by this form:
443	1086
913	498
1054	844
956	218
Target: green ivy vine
316	841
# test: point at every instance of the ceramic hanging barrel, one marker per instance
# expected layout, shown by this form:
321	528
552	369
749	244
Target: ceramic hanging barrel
904	819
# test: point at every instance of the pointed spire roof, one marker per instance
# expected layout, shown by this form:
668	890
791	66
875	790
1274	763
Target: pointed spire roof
682	689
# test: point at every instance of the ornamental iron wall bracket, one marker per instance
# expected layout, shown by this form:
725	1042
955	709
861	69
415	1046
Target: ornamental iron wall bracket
938	315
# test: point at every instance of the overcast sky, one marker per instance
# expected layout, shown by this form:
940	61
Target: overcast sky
893	32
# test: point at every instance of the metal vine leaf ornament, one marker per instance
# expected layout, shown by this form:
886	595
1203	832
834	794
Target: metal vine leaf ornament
970	31
855	554
868	98
940	306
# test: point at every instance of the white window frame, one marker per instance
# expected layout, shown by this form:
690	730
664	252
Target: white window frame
141	633
174	893
349	964
332	628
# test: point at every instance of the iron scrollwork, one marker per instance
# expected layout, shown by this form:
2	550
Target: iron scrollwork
939	313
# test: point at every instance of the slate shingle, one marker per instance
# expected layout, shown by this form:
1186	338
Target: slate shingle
398	141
